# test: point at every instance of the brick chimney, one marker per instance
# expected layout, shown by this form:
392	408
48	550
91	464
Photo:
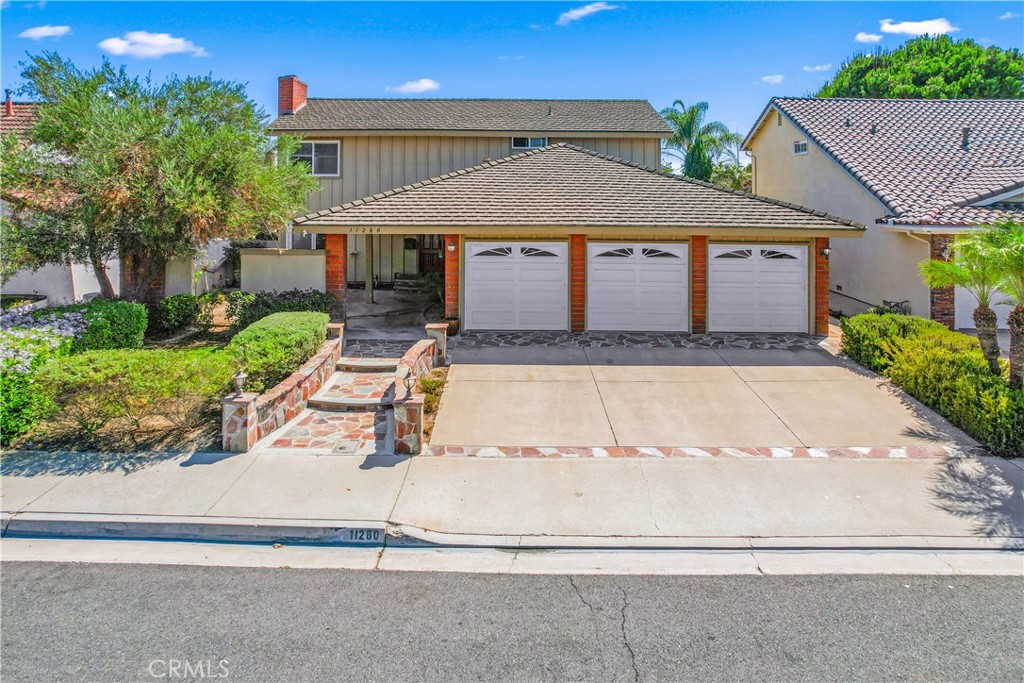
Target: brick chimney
291	94
8	105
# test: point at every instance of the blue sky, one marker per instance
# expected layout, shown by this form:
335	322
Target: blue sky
735	55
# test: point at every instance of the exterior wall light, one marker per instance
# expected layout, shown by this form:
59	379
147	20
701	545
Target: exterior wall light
451	247
826	252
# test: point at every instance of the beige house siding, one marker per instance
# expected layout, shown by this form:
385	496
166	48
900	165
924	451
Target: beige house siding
880	266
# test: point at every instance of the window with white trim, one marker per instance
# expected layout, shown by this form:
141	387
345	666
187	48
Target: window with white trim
323	158
529	143
799	147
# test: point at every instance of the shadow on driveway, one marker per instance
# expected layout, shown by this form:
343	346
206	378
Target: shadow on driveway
989	492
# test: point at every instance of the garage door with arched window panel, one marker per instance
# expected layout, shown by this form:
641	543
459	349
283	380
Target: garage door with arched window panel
757	288
517	286
636	286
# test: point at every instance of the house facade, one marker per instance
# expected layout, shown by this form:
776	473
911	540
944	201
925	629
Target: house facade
915	172
552	215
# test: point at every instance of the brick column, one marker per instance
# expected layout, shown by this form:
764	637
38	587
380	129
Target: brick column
943	301
337	252
699	284
451	276
577	283
821	287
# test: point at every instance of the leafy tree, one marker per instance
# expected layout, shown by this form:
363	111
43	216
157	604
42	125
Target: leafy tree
124	166
931	67
972	267
1006	243
696	142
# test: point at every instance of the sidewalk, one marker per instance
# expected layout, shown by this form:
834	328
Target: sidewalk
964	503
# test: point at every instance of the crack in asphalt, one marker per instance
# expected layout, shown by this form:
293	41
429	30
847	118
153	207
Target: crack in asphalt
625	638
579	594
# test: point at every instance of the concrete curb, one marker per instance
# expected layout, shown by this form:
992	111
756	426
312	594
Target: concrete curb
376	534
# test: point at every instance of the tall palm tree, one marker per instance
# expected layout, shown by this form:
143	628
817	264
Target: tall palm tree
696	142
1006	240
973	268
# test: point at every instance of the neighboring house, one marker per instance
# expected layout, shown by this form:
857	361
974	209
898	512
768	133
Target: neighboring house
552	216
76	281
916	172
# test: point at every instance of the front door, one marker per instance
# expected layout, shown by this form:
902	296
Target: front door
430	256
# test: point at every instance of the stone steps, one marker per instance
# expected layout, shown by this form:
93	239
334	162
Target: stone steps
346	364
367	390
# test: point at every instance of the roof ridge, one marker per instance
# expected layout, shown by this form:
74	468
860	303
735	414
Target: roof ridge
576	148
481	99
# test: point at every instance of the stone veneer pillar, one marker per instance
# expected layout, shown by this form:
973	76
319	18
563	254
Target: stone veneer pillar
337	252
577	283
699	284
451	276
943	299
238	422
821	287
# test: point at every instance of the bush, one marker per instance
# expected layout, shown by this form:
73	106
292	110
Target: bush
276	346
867	337
22	353
948	372
177	312
945	370
106	324
245	308
127	393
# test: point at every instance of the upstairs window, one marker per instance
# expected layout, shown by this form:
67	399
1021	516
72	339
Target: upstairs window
529	143
800	147
321	157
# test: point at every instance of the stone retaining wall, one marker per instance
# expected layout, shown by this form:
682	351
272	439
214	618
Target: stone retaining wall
419	360
249	417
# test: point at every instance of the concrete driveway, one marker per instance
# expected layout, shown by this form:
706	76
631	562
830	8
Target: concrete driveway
623	396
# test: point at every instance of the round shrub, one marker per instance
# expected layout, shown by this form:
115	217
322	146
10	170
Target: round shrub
177	312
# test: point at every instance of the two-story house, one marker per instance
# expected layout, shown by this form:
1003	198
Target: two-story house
547	214
916	172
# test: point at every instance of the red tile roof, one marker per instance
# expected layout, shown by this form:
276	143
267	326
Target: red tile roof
21	120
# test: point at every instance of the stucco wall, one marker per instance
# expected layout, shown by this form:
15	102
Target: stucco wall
62	284
880	266
269	269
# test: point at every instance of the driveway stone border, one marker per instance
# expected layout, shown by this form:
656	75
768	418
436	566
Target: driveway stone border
941	452
759	340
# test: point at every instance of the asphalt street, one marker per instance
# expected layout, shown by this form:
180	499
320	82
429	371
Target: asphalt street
97	622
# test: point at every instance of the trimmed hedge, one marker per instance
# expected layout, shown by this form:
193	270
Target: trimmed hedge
276	346
22	353
176	312
945	370
115	396
245	308
109	324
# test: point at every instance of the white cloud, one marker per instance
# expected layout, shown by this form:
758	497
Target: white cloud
934	27
417	86
773	79
818	67
146	45
40	32
1008	15
511	58
577	13
867	37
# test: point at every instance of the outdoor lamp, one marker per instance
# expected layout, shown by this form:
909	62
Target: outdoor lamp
408	380
826	252
451	247
239	379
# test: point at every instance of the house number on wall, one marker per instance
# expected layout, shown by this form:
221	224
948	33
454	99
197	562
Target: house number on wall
362	231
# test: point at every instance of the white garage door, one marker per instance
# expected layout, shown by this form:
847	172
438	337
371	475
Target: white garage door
965	303
517	286
757	288
633	286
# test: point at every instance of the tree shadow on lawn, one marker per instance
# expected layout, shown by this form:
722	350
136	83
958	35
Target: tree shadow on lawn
987	491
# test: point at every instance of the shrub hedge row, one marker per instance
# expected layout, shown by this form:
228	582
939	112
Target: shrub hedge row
175	313
22	353
945	370
245	308
109	324
274	347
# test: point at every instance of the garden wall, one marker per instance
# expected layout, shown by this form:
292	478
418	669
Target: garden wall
269	270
